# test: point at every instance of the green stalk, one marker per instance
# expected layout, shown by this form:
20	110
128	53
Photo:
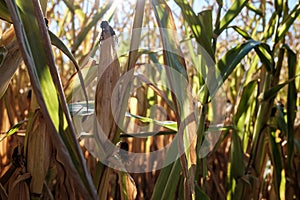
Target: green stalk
217	24
261	116
201	134
257	156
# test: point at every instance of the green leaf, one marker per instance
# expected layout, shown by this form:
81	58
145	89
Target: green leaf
279	7
197	26
178	82
200	194
136	34
291	104
166	124
272	92
166	184
236	157
233	11
59	44
266	57
245	100
275	152
282	187
262	50
165	187
220	127
70	5
233	57
170	43
288	21
239	188
270	28
243	33
13	130
43	4
281	122
205	17
257	11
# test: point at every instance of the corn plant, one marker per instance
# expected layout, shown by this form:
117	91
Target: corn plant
87	87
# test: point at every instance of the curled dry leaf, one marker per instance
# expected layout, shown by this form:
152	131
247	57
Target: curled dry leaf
19	188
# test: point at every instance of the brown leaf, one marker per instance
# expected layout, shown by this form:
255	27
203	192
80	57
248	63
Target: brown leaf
20	189
3	194
10	64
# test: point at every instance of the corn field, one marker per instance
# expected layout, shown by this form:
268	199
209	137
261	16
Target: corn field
160	99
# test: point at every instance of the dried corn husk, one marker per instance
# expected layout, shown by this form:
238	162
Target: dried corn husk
39	150
108	75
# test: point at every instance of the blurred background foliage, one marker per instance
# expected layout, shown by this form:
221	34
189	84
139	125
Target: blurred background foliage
255	45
